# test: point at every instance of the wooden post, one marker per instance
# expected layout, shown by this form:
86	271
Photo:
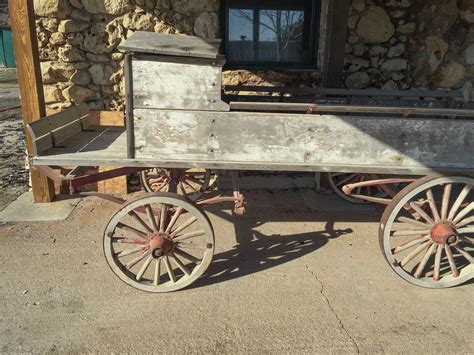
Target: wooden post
337	34
31	86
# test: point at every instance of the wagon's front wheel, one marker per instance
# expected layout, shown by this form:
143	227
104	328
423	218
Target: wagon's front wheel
160	242
426	233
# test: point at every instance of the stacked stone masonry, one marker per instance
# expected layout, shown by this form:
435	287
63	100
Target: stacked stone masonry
392	44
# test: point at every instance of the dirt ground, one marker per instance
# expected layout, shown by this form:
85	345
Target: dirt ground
13	175
289	277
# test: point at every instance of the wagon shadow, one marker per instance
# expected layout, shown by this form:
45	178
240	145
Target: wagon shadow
256	252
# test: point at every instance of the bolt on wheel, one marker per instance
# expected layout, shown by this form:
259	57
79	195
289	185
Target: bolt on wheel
427	232
191	183
160	242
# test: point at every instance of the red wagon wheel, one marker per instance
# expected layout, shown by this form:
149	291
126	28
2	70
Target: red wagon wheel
191	183
160	242
426	233
338	180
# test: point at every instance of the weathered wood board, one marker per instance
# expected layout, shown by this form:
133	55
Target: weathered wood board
311	140
177	83
168	44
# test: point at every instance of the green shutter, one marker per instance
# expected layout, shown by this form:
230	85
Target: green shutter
7	53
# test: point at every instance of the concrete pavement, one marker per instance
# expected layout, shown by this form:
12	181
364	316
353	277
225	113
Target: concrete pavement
288	277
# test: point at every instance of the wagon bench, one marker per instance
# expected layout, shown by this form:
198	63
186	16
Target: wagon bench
177	119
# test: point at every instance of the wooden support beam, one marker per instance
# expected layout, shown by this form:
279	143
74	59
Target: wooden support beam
31	86
337	33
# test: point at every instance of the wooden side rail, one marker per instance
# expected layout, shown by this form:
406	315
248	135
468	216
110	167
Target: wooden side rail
54	130
347	109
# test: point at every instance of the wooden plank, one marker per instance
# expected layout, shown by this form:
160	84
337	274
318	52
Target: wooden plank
182	85
313	108
118	185
38	128
64	132
31	87
169	44
129	105
67	116
107	118
319	140
348	93
42	144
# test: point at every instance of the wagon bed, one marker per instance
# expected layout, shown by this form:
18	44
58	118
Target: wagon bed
177	118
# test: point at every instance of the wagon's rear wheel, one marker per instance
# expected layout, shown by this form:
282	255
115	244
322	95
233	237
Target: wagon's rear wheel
191	183
427	232
338	180
160	242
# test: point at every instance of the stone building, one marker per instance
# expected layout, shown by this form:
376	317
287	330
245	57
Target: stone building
387	44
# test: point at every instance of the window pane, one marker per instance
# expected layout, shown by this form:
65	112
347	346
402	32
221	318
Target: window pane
240	47
281	36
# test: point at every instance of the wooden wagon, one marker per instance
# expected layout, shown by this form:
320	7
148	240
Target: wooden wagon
177	120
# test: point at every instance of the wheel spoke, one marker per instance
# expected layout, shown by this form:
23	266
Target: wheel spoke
437	266
174	219
462	196
169	269
194	180
423	262
181	266
414	253
422	213
410	244
182	189
445	202
144	268
127	228
467	240
133	262
151	217
465	254
347	179
464	213
414	222
183	226
128	241
190	235
465	222
156	279
191	186
408	233
164	212
160	187
186	256
452	263
466	230
192	246
130	251
431	201
140	221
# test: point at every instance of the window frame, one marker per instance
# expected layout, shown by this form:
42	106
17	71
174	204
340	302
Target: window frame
313	9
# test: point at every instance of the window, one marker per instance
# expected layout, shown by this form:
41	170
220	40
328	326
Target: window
272	34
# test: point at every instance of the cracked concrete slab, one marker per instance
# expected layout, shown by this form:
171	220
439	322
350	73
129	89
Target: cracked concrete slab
285	279
23	209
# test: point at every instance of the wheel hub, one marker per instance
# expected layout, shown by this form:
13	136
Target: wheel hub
160	244
444	233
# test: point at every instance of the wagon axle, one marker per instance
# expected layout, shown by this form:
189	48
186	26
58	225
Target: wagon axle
444	233
160	245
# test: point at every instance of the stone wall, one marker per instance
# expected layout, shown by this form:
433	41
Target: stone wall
4	19
392	44
402	44
78	42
